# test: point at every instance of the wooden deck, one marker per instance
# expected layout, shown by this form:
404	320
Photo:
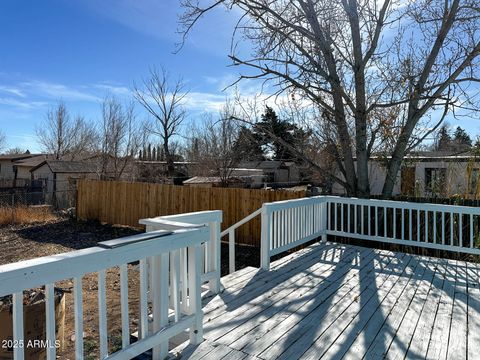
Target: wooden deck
334	301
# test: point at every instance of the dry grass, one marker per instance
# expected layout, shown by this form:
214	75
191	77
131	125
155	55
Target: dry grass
25	215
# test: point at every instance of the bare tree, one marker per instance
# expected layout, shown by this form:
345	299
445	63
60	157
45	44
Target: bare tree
213	146
164	101
63	137
357	59
120	138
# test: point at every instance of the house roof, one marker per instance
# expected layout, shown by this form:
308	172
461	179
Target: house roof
32	161
13	157
209	180
63	166
264	165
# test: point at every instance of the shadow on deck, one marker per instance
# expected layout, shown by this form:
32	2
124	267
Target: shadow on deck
342	301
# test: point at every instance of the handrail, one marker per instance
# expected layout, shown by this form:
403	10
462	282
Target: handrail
211	249
231	238
160	247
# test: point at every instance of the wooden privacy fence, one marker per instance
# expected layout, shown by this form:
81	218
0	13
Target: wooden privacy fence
124	203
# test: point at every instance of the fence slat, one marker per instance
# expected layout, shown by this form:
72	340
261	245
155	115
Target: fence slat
125	203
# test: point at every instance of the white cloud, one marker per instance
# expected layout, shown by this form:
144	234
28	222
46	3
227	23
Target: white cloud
27	105
12	90
57	91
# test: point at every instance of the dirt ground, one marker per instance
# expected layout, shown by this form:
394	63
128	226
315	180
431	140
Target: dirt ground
22	242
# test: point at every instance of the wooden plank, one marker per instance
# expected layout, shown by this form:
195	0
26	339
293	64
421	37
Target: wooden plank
457	343
264	296
271	317
338	330
338	292
273	278
473	339
395	315
407	328
419	342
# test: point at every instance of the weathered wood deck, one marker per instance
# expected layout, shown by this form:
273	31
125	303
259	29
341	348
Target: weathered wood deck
340	301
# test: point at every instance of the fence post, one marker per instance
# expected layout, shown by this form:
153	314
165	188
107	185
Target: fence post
265	239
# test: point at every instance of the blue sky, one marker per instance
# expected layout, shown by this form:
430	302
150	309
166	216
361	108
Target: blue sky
80	51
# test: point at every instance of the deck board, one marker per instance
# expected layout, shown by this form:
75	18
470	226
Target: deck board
334	301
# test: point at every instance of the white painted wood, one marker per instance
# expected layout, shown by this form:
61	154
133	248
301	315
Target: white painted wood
265	238
160	301
143	320
18	333
195	300
175	283
49	269
102	315
78	312
124	305
231	250
50	321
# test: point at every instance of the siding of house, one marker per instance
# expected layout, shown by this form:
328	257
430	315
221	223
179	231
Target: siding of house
6	169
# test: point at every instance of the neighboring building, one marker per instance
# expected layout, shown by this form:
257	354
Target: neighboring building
272	172
8	169
428	174
60	177
213	181
22	168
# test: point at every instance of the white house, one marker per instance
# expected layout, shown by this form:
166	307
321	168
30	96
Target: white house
429	174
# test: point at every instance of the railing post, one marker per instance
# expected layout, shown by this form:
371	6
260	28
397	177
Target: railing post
265	239
214	247
195	295
324	220
231	251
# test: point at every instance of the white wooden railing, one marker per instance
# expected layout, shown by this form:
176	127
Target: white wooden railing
290	223
211	250
231	238
161	248
287	224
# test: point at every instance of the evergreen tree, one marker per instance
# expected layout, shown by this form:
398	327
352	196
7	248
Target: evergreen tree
443	139
271	130
461	138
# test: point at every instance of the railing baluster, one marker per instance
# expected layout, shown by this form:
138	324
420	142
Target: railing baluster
394	231
18	335
385	221
78	312
426	226
418	225
403	223
195	303
362	216
335	215
342	219
231	250
369	209
460	229
50	320
348	218
443	228
124	305
102	314
174	282
434	227
160	299
451	228
410	223
355	216
471	232
143	330
376	221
